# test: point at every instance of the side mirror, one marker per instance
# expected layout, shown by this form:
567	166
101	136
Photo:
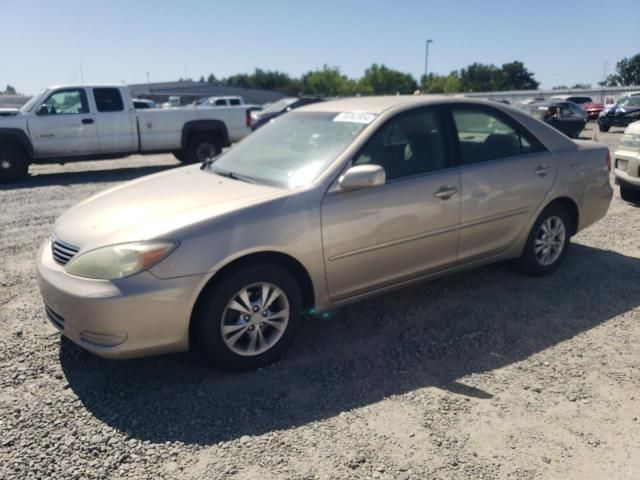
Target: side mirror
42	110
362	176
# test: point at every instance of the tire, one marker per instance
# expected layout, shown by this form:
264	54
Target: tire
603	127
182	156
532	263
201	148
14	163
631	195
232	350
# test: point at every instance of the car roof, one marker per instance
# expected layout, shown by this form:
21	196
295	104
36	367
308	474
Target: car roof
379	104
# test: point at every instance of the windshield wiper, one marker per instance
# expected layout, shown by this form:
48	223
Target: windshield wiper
230	174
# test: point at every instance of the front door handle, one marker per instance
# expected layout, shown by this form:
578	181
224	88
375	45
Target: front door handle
542	170
87	121
444	193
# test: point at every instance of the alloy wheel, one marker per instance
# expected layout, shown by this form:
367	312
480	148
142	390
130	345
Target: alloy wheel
550	241
255	319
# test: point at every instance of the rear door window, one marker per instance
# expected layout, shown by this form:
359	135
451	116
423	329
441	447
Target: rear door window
234	101
108	99
485	135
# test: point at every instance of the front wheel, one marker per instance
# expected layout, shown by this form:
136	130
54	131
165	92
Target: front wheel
547	243
604	127
251	318
14	163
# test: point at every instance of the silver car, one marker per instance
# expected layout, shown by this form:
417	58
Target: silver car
327	205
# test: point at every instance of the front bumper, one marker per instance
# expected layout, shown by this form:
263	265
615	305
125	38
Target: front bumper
133	317
627	174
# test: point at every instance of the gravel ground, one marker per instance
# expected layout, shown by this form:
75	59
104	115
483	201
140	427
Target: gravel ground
485	374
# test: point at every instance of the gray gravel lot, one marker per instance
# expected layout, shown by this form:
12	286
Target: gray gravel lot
486	374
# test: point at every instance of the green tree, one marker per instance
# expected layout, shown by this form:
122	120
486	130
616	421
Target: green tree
238	80
201	80
514	76
627	73
441	83
478	77
10	90
211	78
328	81
381	80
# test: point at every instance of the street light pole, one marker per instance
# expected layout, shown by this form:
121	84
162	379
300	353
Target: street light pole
426	61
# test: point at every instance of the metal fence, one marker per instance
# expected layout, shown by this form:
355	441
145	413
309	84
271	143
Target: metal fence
517	96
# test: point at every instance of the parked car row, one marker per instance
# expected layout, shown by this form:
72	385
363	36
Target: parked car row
329	204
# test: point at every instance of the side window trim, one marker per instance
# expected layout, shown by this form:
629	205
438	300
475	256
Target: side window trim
83	101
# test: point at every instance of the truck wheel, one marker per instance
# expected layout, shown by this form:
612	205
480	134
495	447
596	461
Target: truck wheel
182	156
604	127
14	163
630	195
202	148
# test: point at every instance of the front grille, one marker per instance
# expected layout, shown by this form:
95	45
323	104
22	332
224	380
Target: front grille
56	319
62	252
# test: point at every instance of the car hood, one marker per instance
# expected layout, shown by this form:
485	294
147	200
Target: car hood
156	206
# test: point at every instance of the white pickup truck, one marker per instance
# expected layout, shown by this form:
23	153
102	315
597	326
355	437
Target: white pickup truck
95	122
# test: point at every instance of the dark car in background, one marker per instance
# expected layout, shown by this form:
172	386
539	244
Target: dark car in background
626	111
278	108
591	108
566	117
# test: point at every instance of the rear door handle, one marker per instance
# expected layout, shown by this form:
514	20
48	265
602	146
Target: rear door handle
444	193
542	170
87	121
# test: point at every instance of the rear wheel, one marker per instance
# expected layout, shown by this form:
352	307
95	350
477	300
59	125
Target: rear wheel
629	194
603	127
202	148
14	163
547	243
251	317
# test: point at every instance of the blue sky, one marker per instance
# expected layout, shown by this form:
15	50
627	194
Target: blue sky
562	42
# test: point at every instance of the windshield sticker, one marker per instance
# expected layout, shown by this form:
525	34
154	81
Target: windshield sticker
365	118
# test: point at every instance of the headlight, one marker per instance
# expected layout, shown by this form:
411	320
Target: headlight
630	141
119	261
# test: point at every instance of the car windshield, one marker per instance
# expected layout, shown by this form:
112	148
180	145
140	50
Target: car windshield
580	100
630	100
32	101
279	105
293	150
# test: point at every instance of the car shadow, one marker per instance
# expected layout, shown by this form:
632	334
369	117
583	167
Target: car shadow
89	176
433	334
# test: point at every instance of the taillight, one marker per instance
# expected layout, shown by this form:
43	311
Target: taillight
248	117
608	161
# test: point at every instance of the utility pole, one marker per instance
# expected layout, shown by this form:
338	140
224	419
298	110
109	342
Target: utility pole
426	61
81	75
